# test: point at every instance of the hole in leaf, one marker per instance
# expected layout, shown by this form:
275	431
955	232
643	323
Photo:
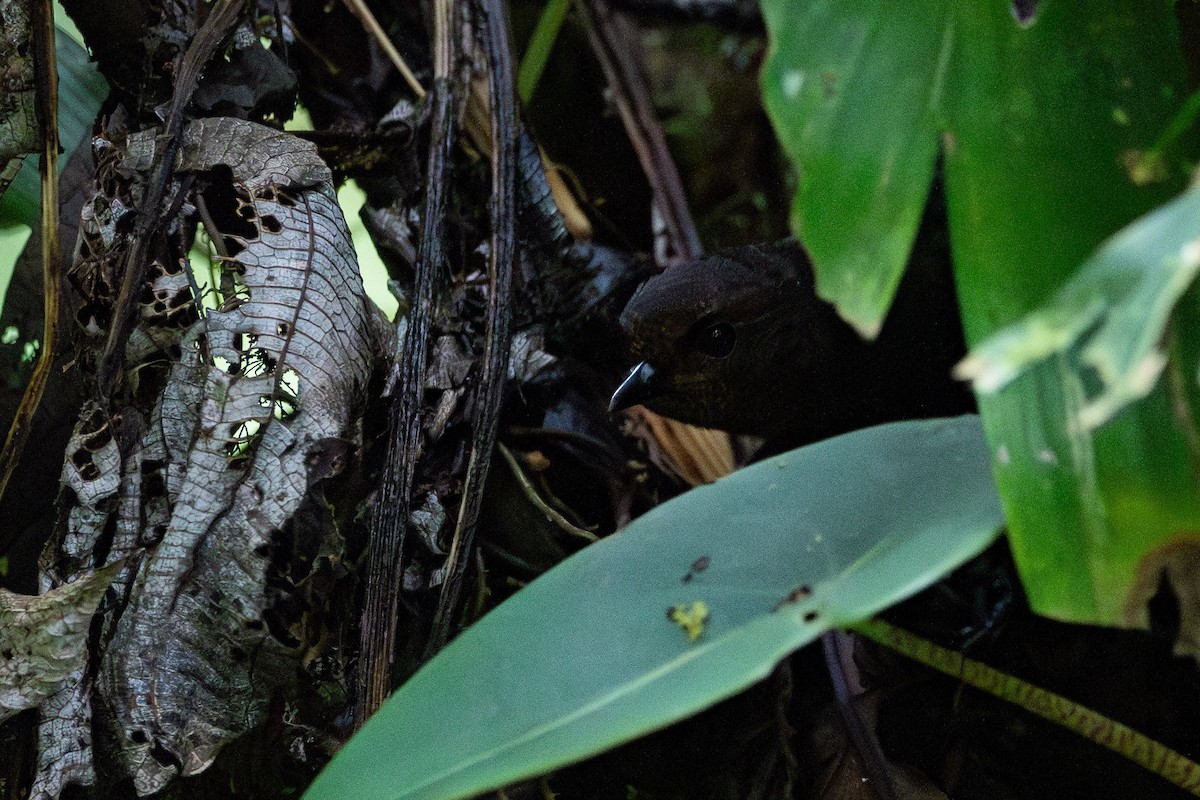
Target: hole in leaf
1024	12
165	757
271	223
259	362
287	394
240	444
156	535
153	485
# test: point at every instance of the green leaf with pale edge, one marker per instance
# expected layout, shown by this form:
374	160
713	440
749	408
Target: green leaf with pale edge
1115	311
854	91
585	657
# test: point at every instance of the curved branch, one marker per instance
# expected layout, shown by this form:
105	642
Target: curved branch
389	524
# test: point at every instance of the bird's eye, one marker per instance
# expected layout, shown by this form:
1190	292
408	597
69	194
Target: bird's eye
717	339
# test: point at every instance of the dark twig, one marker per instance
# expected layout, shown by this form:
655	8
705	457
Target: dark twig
501	91
619	52
137	265
46	81
389	524
838	648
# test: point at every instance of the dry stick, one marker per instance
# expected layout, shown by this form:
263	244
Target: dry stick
838	649
501	91
389	524
477	131
46	81
618	49
137	264
531	493
359	9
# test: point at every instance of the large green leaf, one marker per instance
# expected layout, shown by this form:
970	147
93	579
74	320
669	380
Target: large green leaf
585	657
1056	131
853	89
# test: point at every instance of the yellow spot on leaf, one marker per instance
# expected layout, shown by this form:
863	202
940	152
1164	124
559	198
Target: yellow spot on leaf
691	618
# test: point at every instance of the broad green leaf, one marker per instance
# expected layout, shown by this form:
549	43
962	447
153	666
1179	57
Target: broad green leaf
1113	313
1044	168
590	655
853	90
1055	132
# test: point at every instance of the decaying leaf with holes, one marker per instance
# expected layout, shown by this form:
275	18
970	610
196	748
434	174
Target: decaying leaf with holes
262	401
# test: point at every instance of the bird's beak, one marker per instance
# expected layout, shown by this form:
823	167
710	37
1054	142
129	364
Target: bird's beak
634	389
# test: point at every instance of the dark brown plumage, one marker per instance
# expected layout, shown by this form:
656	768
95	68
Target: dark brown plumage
739	340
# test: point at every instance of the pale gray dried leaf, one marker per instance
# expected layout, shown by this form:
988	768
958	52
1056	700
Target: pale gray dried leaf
260	157
43	640
18	122
103	490
92	470
265	386
64	741
528	356
449	364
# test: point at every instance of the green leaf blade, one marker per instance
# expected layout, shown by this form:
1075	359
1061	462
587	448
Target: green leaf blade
1052	129
585	657
854	91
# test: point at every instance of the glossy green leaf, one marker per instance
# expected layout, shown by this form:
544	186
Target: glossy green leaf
854	91
1114	312
587	656
1056	131
1066	153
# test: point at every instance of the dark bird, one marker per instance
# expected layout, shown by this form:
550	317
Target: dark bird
739	340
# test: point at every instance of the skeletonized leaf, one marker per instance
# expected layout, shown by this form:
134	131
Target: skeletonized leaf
263	403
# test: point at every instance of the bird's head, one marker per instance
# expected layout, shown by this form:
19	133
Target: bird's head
722	341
